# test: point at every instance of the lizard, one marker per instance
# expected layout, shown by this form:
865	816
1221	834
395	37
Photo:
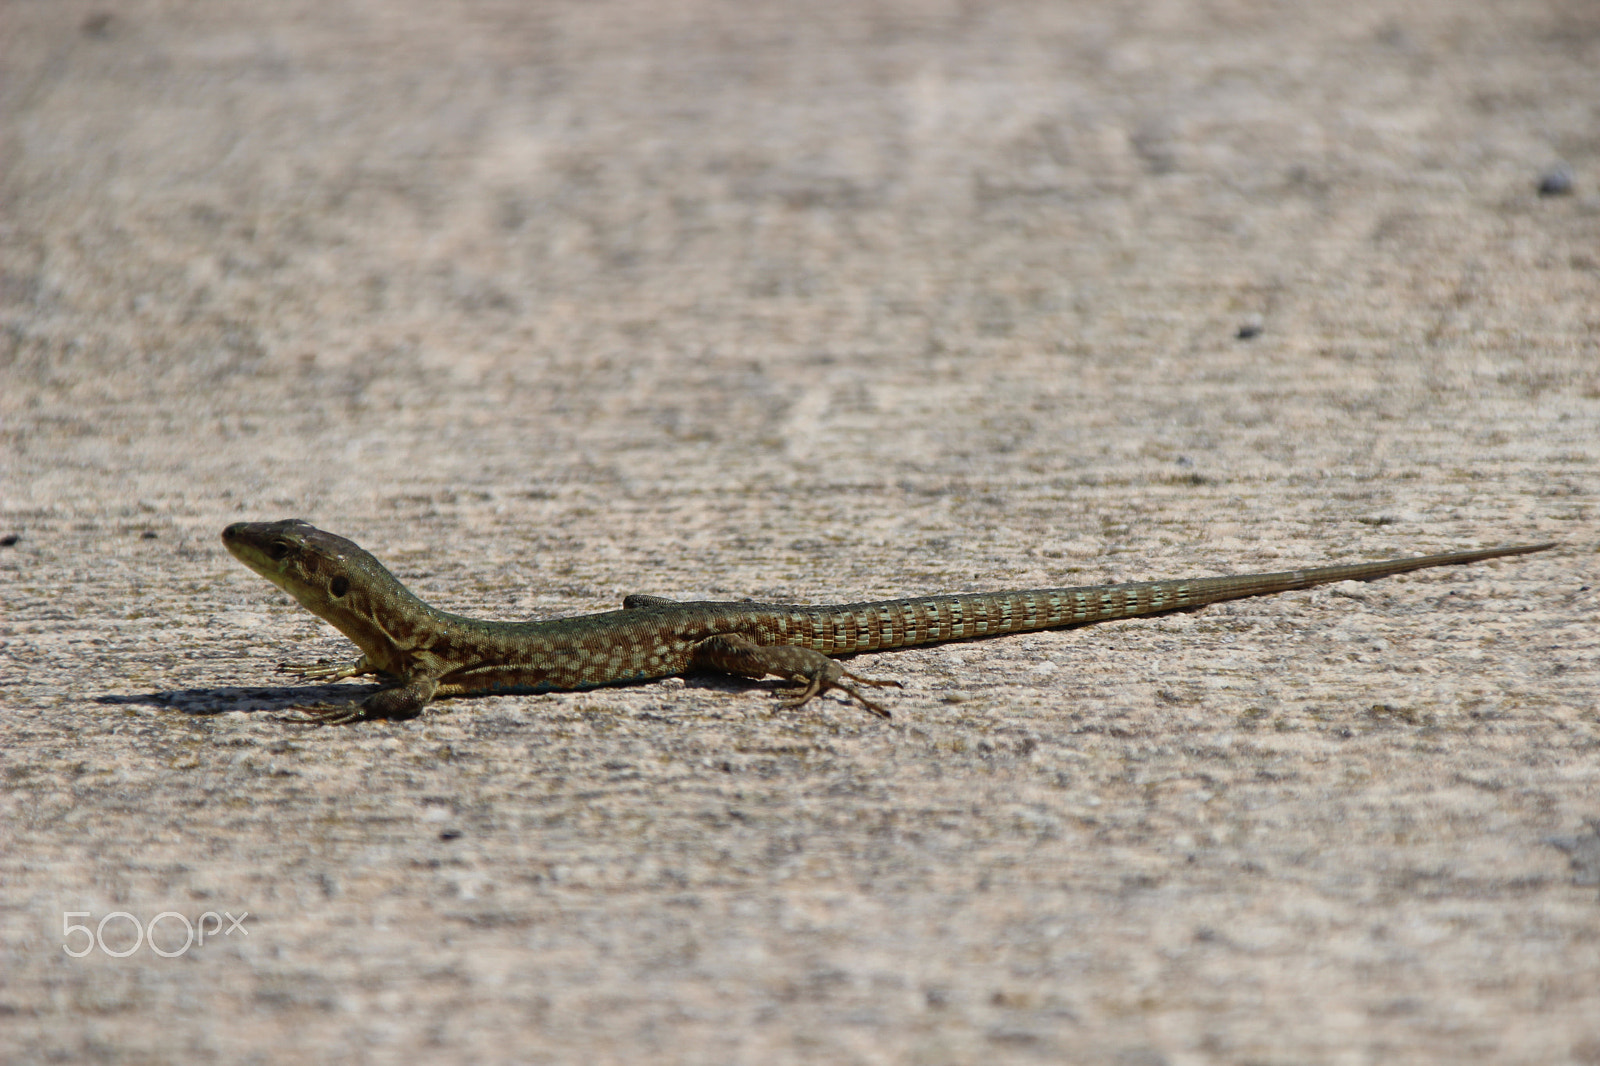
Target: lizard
423	653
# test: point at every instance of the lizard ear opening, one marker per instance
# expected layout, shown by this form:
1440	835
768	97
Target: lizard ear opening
339	586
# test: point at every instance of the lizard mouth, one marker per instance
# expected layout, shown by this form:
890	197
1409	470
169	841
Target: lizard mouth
262	547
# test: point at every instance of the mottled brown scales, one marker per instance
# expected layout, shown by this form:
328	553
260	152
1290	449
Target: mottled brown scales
427	654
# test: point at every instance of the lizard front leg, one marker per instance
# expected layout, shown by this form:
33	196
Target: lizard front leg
734	653
398	702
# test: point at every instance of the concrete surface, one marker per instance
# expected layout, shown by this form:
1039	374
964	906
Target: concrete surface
549	303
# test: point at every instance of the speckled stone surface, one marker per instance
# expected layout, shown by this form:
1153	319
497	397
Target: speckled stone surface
548	304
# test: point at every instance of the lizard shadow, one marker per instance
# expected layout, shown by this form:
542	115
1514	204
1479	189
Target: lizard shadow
222	699
277	698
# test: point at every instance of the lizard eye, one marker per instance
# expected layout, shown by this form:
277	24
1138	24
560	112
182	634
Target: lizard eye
339	586
278	549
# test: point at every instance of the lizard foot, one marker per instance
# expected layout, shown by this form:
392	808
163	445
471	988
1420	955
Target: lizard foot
326	670
326	713
816	685
397	703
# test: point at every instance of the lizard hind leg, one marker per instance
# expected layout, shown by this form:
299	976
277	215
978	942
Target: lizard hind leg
734	653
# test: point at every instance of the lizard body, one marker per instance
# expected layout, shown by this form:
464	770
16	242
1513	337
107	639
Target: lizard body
427	653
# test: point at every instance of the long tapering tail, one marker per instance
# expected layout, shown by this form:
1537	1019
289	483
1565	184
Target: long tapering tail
897	623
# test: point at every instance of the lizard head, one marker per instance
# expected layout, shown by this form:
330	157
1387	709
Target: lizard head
333	578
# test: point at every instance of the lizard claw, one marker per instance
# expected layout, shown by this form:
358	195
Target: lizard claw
324	670
326	714
881	712
818	684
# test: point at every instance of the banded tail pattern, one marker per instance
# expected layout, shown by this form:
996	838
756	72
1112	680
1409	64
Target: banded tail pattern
856	627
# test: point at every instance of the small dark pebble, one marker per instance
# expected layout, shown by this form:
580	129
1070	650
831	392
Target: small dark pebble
1583	852
450	834
1250	328
1557	181
149	534
10	540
